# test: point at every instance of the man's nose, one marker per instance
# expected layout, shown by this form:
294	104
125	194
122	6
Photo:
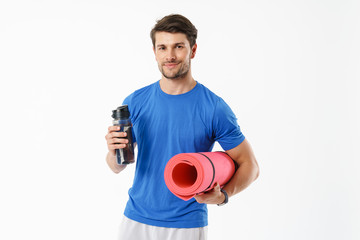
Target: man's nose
170	55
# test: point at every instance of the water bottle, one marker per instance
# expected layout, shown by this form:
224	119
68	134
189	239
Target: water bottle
122	119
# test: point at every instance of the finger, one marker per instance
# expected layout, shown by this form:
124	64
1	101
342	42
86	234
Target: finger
217	187
113	128
115	135
118	140
116	146
199	198
118	134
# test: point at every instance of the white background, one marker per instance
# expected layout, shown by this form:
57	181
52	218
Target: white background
290	70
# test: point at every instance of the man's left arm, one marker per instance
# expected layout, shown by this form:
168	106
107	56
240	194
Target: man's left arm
247	172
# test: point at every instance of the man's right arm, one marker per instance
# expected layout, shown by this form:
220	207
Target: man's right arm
115	140
112	162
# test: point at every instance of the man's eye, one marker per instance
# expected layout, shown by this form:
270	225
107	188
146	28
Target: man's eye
179	46
161	48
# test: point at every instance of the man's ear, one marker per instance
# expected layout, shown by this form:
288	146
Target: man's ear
193	51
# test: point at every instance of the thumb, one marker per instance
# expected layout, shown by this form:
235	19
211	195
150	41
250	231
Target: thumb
217	187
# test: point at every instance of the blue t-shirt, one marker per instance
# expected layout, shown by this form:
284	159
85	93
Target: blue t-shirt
165	125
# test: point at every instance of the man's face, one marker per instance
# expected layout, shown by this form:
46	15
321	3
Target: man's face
173	54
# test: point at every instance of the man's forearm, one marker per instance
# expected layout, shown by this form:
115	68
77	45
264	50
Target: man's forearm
243	177
112	162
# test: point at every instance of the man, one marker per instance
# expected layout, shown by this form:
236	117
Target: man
176	115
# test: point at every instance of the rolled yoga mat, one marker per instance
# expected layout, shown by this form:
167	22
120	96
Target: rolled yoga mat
188	174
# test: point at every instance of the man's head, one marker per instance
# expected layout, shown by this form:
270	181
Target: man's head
175	23
174	44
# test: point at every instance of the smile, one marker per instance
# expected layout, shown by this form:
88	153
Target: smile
170	65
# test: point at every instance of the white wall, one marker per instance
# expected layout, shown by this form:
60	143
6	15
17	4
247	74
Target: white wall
290	70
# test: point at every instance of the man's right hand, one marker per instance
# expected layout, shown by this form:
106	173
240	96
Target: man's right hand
115	140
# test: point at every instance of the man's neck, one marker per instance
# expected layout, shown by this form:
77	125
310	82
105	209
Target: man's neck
177	86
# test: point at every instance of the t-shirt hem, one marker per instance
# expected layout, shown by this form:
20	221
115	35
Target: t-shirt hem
168	224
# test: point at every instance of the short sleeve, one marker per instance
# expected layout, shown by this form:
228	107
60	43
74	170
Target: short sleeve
128	101
226	130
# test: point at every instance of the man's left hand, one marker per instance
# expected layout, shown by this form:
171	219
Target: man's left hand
214	196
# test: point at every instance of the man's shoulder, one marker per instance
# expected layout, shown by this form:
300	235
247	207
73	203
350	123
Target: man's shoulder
139	95
143	93
209	94
146	89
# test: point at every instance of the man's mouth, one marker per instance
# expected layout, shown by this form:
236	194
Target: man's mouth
170	65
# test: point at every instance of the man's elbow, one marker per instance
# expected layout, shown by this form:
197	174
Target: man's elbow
256	169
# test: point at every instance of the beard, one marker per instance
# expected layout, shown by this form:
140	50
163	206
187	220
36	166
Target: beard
173	74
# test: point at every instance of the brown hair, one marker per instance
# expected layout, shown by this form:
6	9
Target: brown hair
175	23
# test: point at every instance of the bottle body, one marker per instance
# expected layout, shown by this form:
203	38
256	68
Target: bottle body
125	155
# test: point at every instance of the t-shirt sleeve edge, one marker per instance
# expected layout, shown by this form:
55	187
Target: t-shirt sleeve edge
229	146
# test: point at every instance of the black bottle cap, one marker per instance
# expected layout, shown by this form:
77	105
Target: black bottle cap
121	112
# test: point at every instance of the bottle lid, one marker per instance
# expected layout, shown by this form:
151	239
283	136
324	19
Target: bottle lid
121	112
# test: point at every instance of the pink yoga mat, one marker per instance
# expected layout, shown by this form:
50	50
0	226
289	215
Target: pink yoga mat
188	174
